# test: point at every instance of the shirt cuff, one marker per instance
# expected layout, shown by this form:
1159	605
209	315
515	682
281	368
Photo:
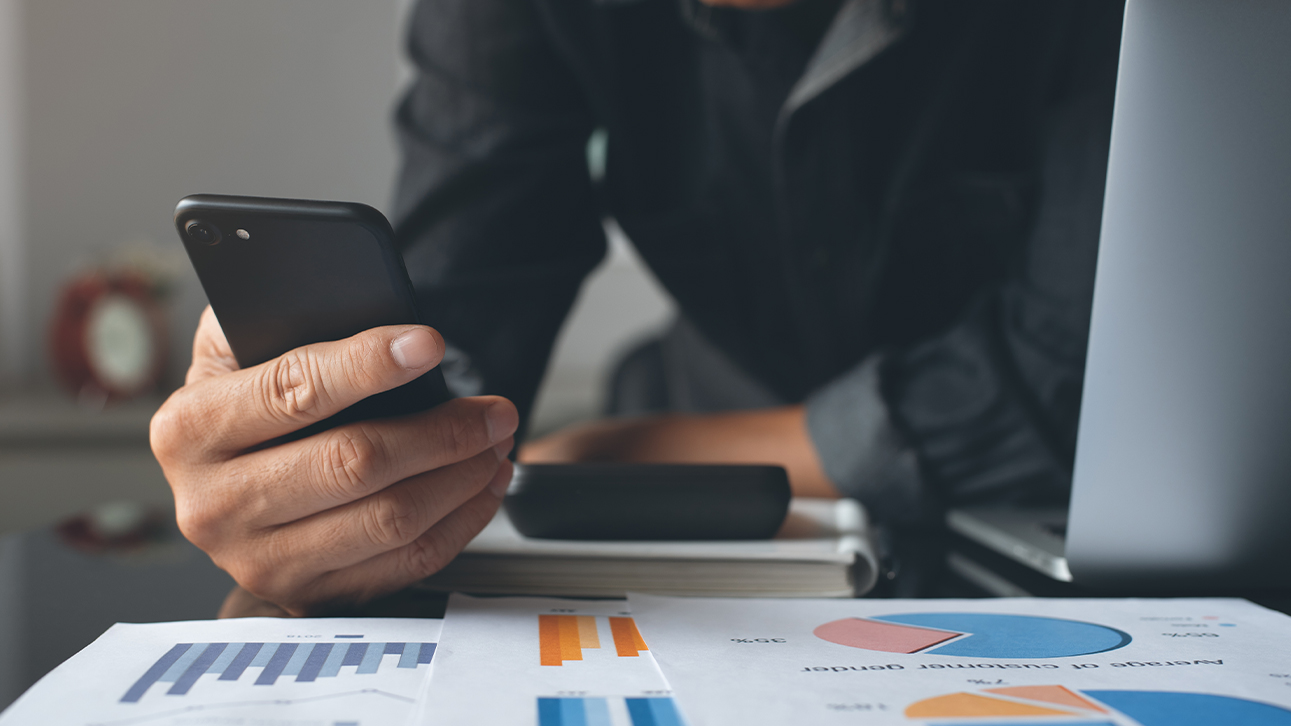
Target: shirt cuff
860	449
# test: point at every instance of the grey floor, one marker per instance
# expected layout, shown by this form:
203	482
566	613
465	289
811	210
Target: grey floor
55	600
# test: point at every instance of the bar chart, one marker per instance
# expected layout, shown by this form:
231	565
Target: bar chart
241	671
563	638
185	663
642	711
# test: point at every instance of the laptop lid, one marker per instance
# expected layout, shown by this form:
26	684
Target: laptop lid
1183	463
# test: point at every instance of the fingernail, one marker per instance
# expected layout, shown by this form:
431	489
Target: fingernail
502	421
415	349
502	450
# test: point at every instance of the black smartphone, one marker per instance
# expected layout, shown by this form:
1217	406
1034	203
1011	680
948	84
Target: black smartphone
648	501
282	273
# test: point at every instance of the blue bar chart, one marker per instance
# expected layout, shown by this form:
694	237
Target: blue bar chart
573	712
653	712
565	711
265	664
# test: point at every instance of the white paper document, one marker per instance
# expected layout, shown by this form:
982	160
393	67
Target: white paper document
1006	662
244	672
545	662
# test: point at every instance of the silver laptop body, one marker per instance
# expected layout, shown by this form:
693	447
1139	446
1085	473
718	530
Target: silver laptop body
1183	462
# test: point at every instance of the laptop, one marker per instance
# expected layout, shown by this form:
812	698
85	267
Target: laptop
1182	479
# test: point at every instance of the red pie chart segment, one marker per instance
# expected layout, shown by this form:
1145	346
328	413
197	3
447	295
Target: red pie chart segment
881	636
974	635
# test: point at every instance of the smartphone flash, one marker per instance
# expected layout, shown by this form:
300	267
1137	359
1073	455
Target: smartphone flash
243	234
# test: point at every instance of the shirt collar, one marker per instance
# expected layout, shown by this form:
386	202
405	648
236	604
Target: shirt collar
861	30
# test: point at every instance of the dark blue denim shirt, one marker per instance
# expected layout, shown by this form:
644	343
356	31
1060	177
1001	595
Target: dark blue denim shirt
893	218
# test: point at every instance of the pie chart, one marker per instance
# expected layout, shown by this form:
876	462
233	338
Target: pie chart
974	635
1044	705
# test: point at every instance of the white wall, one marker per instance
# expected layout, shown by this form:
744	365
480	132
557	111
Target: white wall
13	298
131	104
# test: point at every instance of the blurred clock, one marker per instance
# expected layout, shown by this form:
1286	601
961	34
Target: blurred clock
108	336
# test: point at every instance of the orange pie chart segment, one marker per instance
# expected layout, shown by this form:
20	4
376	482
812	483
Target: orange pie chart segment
1049	694
971	704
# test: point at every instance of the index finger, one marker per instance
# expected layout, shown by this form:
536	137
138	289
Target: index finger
243	408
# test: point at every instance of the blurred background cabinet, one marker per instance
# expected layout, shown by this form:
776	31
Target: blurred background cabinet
57	459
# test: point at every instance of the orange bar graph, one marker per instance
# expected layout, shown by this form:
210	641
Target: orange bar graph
563	637
587	634
627	640
570	647
549	640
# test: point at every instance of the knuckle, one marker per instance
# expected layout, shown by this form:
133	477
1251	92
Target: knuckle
486	464
263	565
254	577
211	528
437	548
199	524
461	436
260	562
352	462
478	471
163	430
426	556
193	526
171	431
392	520
365	361
291	387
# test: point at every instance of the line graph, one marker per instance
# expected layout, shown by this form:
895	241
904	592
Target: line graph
252	704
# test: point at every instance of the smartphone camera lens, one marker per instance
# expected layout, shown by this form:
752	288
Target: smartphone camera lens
202	232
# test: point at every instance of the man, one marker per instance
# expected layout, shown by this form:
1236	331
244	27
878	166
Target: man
878	218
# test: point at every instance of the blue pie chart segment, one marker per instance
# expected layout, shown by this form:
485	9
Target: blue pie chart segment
1161	708
992	635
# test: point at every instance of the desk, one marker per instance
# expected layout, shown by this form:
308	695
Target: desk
55	600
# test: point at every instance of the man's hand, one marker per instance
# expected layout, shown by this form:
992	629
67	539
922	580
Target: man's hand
345	515
765	436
